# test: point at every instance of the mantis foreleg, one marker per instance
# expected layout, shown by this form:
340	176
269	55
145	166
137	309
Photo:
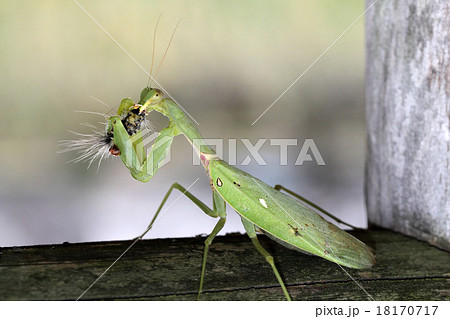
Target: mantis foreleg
279	187
250	229
158	153
142	167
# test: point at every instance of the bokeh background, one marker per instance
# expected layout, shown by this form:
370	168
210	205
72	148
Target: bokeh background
228	62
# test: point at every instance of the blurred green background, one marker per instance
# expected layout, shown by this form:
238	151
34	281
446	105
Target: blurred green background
228	62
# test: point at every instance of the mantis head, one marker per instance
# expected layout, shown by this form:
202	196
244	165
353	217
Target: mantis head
150	97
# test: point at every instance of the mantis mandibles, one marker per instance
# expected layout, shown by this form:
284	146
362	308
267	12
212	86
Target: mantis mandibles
262	208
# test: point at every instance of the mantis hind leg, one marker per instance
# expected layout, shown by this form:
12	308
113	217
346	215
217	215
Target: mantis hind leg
279	187
250	229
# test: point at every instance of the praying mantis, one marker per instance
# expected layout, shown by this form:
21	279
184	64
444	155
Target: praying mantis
288	220
262	208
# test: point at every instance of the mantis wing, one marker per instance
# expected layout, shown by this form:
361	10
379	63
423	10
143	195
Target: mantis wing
287	220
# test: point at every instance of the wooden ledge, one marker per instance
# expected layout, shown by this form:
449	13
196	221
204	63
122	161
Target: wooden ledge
169	269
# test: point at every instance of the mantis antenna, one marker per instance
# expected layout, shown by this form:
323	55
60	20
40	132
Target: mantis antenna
168	46
150	79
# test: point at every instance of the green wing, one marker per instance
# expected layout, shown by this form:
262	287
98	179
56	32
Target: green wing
286	219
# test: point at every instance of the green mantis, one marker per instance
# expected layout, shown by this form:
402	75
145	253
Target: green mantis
262	208
288	220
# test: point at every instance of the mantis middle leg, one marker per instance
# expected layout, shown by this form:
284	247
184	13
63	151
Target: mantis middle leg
219	210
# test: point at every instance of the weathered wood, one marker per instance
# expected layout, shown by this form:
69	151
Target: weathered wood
169	269
408	118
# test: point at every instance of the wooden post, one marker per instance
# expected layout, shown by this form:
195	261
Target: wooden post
408	118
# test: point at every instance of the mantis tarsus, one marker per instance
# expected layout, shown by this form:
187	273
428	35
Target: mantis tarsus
262	208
